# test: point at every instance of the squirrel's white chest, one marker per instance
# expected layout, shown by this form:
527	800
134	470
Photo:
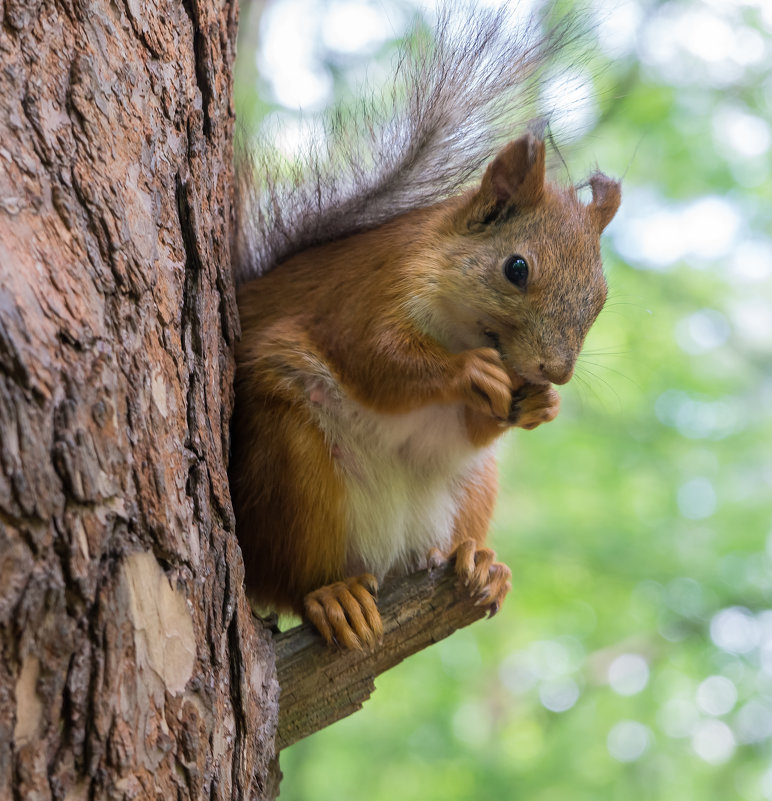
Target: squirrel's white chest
404	477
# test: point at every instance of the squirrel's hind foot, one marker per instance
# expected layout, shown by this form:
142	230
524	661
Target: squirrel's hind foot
486	579
345	612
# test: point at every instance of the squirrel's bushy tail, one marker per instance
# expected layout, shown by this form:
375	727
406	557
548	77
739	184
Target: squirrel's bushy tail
455	98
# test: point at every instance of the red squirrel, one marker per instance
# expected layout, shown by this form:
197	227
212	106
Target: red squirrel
379	363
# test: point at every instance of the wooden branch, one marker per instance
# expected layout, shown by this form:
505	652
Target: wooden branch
320	685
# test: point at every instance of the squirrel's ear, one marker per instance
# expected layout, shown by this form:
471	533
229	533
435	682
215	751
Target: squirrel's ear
516	175
606	197
514	178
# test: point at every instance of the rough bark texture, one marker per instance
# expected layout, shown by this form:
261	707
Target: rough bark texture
320	685
129	663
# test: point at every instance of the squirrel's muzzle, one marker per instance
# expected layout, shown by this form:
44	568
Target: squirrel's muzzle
558	372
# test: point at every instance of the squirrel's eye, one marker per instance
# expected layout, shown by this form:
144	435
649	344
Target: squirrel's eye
516	271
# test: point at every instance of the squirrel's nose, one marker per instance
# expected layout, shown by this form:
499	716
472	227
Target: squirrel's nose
557	372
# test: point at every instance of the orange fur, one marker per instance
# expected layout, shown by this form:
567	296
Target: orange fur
476	507
413	316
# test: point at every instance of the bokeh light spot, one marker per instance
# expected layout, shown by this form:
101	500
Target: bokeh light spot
734	630
628	740
628	674
713	741
559	695
717	695
697	499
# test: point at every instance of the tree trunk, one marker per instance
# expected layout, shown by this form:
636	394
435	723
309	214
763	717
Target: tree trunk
130	666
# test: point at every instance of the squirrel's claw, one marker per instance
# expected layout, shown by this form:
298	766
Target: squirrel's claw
345	612
532	405
487	580
435	558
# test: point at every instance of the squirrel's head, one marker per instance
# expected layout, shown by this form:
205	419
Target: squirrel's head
522	266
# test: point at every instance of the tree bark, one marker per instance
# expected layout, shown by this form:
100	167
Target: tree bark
130	666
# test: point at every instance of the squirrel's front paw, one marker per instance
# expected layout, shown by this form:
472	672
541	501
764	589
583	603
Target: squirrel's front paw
345	612
485	578
484	383
532	405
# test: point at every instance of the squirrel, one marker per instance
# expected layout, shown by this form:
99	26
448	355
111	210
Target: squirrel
396	322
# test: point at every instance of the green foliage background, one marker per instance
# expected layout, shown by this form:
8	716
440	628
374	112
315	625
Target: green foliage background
637	524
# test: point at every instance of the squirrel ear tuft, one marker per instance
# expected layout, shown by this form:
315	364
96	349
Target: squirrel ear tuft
606	197
515	177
